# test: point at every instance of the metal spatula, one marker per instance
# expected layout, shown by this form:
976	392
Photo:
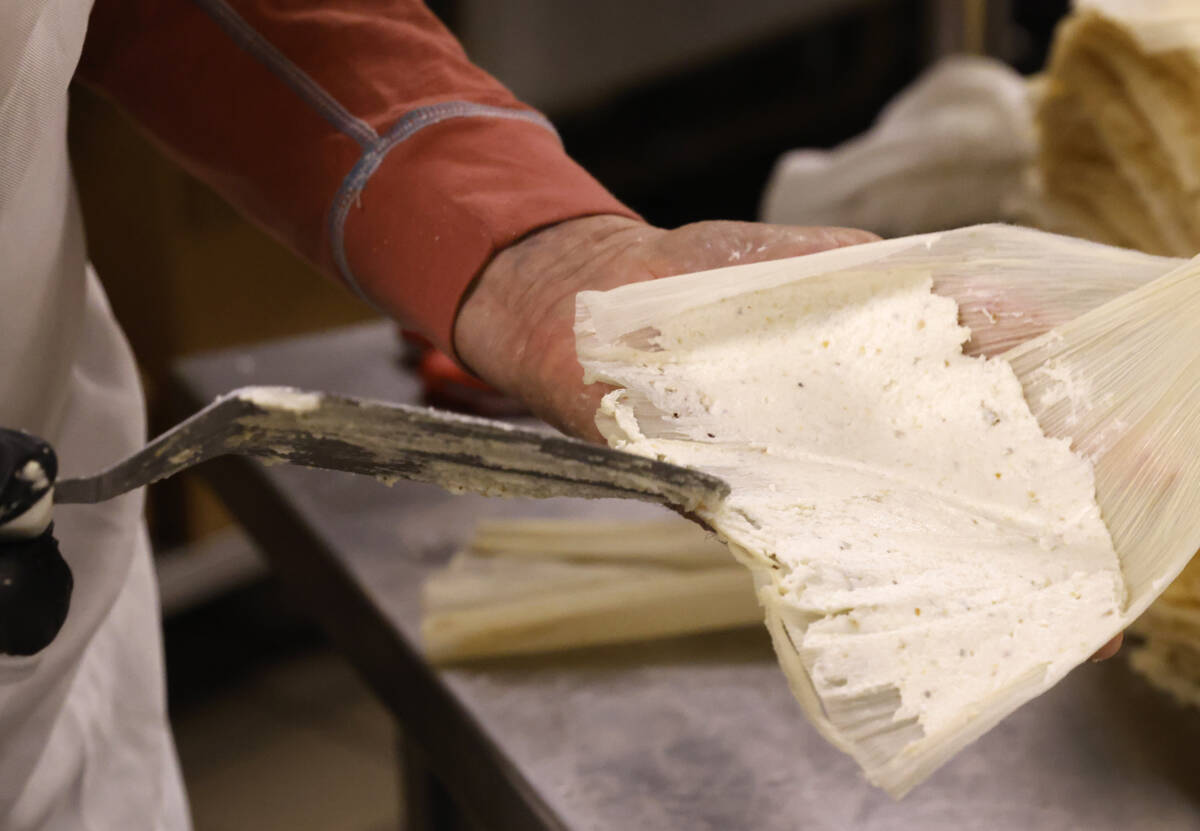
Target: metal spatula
391	442
280	424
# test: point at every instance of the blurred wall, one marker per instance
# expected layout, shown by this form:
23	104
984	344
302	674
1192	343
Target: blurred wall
562	56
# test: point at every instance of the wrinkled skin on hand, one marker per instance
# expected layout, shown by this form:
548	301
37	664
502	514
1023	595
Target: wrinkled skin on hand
516	331
516	327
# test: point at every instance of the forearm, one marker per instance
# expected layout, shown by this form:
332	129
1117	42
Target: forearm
359	134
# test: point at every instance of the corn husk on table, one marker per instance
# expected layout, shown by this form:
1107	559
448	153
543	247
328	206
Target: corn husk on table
1118	113
540	585
1120	382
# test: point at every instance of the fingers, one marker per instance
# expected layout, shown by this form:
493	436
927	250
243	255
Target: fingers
1109	649
1000	314
818	238
839	237
794	241
515	329
705	245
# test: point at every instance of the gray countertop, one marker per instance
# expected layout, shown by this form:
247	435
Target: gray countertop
690	733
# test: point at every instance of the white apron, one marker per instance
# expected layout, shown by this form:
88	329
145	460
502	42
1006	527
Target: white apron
83	733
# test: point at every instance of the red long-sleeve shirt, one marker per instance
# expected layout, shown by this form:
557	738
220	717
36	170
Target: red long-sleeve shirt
358	132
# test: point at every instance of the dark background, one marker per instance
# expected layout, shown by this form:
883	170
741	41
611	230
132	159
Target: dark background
700	143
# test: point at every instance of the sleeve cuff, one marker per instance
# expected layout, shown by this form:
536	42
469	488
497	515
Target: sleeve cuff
435	206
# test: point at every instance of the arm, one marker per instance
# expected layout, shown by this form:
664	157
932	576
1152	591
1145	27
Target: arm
363	137
356	132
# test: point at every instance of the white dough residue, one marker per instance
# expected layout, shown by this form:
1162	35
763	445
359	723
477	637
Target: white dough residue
280	398
33	473
921	549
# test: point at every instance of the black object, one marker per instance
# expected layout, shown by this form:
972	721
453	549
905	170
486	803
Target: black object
35	581
17	493
35	593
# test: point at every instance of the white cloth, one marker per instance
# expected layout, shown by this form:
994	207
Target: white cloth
952	149
84	742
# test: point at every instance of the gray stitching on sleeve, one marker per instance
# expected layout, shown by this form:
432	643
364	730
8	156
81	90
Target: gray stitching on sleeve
373	156
249	39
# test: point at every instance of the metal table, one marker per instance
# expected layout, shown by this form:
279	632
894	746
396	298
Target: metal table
690	733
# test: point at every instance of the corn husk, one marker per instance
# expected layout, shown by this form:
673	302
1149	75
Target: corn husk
1123	382
1012	284
1117	115
1169	655
640	543
1130	362
524	586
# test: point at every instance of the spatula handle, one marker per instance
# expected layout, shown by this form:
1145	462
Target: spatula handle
35	581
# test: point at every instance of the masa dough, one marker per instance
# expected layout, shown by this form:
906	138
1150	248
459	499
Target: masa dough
925	555
280	398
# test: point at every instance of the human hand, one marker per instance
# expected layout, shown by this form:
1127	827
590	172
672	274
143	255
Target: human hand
516	328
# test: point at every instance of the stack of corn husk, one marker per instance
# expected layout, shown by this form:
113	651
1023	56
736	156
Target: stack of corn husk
1119	161
1170	655
1118	118
524	586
